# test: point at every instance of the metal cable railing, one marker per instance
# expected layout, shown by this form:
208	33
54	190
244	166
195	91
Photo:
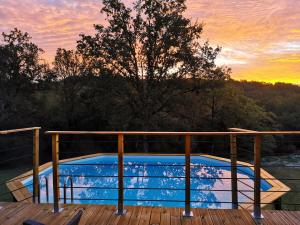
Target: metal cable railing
254	187
251	191
14	147
247	188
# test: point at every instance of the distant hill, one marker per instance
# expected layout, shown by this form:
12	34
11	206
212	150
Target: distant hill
282	99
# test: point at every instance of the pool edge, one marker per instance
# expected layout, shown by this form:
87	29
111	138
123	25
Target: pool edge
278	189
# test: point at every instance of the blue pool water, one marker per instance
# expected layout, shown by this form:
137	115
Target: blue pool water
97	182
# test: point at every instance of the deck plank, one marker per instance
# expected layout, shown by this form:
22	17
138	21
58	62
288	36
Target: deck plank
225	217
246	216
145	216
44	212
124	220
10	211
17	217
204	216
165	216
114	219
155	216
88	212
96	211
175	216
135	217
239	218
216	219
196	219
295	215
105	216
16	213
185	220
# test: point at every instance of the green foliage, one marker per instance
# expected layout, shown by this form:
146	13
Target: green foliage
155	48
19	69
19	57
282	101
145	70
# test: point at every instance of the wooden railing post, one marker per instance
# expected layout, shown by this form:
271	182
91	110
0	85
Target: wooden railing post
120	209
234	185
187	209
35	166
55	160
257	165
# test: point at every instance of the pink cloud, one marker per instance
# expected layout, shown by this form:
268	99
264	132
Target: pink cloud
250	31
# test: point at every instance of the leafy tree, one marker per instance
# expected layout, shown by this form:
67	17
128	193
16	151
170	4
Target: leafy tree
70	64
70	70
19	69
154	47
281	100
141	71
19	57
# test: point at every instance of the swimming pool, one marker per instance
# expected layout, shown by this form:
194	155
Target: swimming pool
151	181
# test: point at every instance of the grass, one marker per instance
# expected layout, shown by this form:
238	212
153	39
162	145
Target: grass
291	197
285	168
5	175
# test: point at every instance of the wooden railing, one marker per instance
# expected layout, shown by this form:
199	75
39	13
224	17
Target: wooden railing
35	157
233	133
257	168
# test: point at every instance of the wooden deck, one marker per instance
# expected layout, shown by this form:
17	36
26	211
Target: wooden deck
16	213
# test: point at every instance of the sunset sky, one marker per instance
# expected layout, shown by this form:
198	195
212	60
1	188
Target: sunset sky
260	38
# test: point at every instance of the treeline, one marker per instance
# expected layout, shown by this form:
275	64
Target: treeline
146	70
281	99
63	98
69	96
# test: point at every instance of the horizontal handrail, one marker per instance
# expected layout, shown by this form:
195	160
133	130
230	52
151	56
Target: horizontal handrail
233	133
240	130
3	132
35	156
166	133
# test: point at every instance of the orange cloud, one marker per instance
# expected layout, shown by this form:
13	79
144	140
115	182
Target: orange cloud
260	39
295	59
296	31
